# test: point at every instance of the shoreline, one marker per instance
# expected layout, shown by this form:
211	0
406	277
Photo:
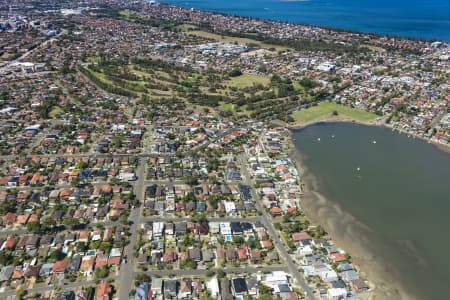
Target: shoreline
378	123
387	264
324	27
344	230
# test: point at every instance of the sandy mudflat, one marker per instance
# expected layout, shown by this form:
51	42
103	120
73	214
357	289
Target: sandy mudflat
365	246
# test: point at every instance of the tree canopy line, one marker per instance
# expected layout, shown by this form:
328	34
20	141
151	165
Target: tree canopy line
207	88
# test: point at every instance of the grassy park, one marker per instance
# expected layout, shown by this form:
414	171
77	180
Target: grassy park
332	111
247	80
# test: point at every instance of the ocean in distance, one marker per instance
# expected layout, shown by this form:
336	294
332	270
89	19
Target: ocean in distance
387	201
406	18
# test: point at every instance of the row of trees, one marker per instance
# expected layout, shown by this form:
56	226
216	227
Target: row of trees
106	86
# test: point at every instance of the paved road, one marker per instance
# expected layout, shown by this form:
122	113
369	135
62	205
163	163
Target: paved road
212	219
279	245
90	155
203	272
127	269
52	186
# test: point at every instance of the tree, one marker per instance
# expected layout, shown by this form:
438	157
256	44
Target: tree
220	274
235	72
191	180
20	292
262	69
48	223
238	240
307	83
82	247
6	257
335	113
123	219
34	226
75	182
102	272
105	247
56	255
264	290
189	263
71	222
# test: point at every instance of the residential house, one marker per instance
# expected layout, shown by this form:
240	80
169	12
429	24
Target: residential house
60	267
46	269
103	291
157	286
185	290
213	287
6	273
141	291
170	289
239	286
225	289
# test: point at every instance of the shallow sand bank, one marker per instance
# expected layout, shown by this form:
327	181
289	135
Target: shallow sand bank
367	248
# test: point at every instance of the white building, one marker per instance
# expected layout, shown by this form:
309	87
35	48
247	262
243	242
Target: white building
225	228
213	287
337	294
158	228
230	207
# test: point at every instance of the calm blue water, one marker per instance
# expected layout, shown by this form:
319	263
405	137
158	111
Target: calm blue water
401	192
428	19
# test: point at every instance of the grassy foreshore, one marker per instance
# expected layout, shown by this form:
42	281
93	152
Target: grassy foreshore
332	112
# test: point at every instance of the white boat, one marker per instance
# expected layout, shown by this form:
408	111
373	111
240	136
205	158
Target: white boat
318	139
332	136
358	169
374	142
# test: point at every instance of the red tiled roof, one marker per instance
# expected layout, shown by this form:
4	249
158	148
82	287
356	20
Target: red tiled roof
300	236
60	266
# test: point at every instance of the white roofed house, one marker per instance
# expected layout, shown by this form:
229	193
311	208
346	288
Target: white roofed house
337	293
213	287
158	228
275	278
326	273
230	208
225	228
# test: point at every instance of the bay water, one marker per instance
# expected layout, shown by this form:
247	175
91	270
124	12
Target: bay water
398	187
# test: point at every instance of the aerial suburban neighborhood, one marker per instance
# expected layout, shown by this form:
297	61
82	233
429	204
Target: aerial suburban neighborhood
145	150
